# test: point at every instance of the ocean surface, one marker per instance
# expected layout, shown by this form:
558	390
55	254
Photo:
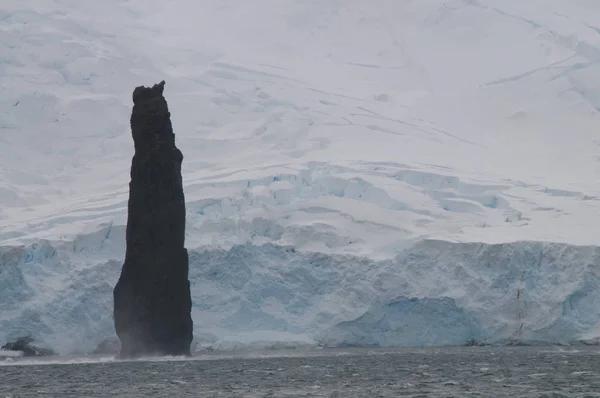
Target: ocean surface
427	372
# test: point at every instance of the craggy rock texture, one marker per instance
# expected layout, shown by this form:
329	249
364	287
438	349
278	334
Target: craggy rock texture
152	297
24	345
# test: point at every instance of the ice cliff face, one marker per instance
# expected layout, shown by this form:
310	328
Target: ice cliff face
408	322
433	293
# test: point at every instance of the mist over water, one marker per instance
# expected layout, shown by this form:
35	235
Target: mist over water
426	372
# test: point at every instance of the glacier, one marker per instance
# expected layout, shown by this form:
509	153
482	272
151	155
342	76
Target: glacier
432	293
403	173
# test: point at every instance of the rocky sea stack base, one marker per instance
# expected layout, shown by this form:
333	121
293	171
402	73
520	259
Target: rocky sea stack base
24	345
152	302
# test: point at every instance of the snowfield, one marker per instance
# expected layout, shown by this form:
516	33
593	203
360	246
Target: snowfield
392	173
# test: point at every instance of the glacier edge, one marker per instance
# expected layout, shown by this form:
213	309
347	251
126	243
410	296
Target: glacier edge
432	293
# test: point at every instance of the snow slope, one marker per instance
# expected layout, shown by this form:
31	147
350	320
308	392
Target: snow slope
362	135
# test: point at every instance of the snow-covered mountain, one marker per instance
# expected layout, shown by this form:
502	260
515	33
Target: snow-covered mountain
391	172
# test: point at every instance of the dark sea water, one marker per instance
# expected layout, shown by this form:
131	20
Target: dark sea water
432	372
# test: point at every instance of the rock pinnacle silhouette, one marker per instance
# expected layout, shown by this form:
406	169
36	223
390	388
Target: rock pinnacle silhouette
152	302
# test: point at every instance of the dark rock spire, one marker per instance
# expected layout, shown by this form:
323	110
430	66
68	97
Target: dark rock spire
152	303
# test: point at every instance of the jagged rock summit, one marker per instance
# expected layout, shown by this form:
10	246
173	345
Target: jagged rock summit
152	302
